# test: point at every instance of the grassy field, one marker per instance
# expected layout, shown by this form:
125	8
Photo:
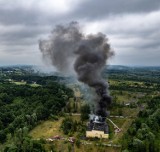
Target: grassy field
87	146
34	85
24	83
47	129
19	83
125	96
50	128
124	127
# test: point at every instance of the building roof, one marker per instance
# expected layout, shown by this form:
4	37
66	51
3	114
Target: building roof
97	126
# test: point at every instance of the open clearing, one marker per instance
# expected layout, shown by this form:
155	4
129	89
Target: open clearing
47	129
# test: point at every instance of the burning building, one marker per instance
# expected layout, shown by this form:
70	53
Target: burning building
84	56
97	127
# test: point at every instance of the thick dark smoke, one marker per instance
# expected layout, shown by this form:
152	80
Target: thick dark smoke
70	50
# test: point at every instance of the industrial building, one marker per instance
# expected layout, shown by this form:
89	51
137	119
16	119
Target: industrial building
97	127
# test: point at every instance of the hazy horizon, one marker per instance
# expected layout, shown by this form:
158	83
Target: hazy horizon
12	65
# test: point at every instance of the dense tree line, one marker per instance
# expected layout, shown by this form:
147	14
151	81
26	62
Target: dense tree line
141	74
29	78
23	106
138	88
144	133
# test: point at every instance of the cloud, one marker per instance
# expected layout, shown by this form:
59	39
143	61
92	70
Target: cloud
94	10
7	59
132	26
21	34
134	37
34	11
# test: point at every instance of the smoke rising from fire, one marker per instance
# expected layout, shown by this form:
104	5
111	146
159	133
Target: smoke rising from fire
70	50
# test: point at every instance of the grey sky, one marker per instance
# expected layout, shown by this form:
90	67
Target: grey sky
132	27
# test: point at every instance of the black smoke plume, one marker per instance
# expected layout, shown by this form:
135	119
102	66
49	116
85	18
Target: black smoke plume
70	50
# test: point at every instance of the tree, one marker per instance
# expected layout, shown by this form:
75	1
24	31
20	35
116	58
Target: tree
85	111
138	145
78	143
1	125
120	112
2	136
68	126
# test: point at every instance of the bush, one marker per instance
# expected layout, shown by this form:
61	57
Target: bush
78	143
68	126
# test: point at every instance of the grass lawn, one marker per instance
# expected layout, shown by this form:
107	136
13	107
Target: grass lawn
50	128
24	83
19	83
124	128
130	112
118	121
35	85
47	129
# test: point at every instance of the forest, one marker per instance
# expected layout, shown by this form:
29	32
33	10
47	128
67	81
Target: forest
22	107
